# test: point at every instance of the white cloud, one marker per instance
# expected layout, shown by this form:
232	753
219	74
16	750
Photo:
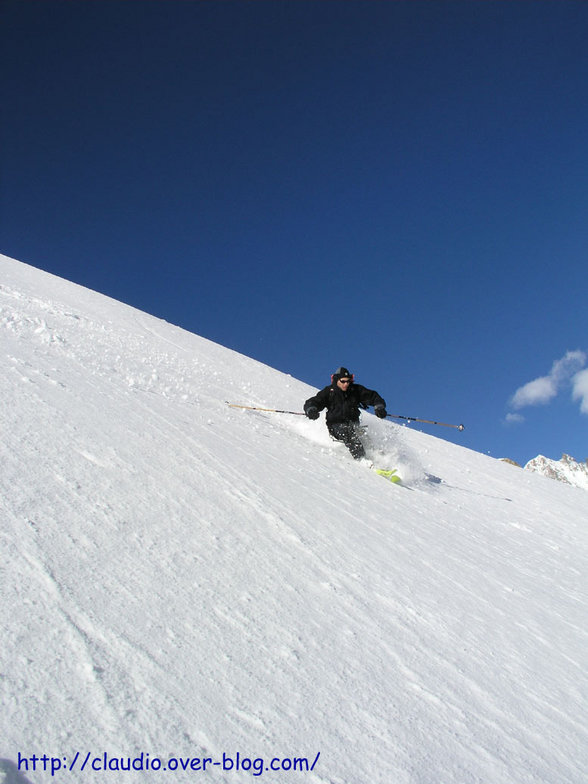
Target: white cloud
543	389
580	390
563	369
536	392
514	419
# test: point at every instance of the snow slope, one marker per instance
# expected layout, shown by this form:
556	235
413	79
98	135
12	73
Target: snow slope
181	580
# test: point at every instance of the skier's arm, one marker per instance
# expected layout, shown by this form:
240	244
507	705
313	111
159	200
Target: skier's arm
371	398
316	403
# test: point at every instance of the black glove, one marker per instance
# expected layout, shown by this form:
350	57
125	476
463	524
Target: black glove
380	412
312	412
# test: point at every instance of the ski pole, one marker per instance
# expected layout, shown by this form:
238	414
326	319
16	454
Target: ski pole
428	421
272	410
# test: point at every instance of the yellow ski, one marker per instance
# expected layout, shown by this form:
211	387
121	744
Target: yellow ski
387	474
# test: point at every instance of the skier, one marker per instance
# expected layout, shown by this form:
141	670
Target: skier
343	399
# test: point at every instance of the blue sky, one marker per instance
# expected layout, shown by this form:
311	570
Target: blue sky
399	187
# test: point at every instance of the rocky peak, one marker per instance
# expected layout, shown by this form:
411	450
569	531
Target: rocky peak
565	470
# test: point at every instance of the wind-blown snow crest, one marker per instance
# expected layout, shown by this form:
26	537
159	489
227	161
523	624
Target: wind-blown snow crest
182	581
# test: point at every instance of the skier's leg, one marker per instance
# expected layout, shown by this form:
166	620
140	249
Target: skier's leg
354	443
348	433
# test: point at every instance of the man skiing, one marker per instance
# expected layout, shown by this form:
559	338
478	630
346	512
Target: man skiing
343	399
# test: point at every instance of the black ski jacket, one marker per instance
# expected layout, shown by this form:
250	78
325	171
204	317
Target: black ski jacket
343	405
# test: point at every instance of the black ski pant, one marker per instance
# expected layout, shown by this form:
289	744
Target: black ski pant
349	434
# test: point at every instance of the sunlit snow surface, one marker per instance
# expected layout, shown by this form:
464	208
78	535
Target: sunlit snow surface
185	580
